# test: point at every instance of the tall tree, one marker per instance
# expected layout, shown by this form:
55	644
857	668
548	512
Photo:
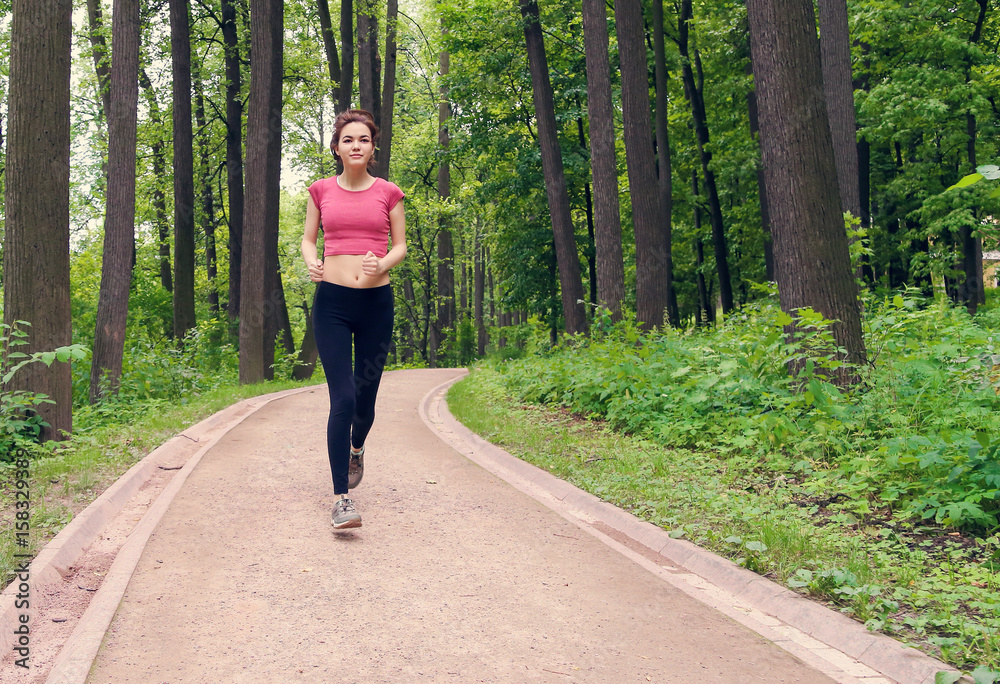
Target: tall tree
388	91
347	45
445	319
651	285
205	174
972	289
36	230
234	155
812	263
260	228
159	173
555	180
838	86
368	60
694	91
663	165
99	52
119	224
330	45
180	51
603	160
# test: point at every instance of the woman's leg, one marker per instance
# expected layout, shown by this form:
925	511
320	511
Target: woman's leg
372	341
333	340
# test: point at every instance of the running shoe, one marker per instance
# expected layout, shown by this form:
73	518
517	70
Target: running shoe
345	515
356	467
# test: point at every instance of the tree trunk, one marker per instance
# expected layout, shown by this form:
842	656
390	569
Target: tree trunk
838	86
180	50
368	59
119	223
159	198
706	309
651	255
609	262
700	119
555	180
308	352
234	158
445	247
479	289
388	93
99	50
36	236
347	44
973	244
663	167
810	245
260	227
330	45
207	196
765	210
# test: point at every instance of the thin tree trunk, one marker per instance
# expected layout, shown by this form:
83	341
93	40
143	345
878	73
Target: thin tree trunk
651	255
234	158
388	92
207	196
972	243
552	167
609	262
663	167
330	45
308	352
159	198
810	245
180	50
838	86
368	60
706	310
765	211
260	227
347	44
36	229
445	248
99	51
479	272
700	119
119	224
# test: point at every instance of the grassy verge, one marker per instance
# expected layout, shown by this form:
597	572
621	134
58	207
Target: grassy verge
108	441
933	587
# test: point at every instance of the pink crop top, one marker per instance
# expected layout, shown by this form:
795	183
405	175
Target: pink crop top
355	222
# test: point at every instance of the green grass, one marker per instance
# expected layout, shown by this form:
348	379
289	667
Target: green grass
933	587
109	439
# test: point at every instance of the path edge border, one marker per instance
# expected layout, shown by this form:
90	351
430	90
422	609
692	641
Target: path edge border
56	558
882	653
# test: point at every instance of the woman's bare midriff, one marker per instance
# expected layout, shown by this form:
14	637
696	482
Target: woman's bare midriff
345	269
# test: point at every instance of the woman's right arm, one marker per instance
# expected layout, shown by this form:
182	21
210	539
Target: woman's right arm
309	254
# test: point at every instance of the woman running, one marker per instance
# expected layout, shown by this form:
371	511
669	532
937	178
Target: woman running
354	304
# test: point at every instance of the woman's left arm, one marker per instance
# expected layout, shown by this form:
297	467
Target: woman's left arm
372	265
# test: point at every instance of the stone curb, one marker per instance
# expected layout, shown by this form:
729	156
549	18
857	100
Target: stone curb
882	653
54	561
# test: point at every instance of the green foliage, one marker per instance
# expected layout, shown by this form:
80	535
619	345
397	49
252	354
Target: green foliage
20	423
919	438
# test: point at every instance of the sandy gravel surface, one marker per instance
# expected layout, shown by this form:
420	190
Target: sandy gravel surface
454	577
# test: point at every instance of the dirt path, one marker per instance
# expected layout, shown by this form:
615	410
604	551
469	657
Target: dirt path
454	577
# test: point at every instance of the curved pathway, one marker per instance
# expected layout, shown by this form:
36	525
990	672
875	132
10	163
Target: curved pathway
456	575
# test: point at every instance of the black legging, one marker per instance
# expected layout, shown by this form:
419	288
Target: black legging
339	313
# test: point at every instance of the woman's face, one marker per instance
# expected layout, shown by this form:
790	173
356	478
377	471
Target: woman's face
355	147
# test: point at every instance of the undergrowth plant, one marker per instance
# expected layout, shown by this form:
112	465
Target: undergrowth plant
20	422
919	437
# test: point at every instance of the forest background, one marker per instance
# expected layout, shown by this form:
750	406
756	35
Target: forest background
598	196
